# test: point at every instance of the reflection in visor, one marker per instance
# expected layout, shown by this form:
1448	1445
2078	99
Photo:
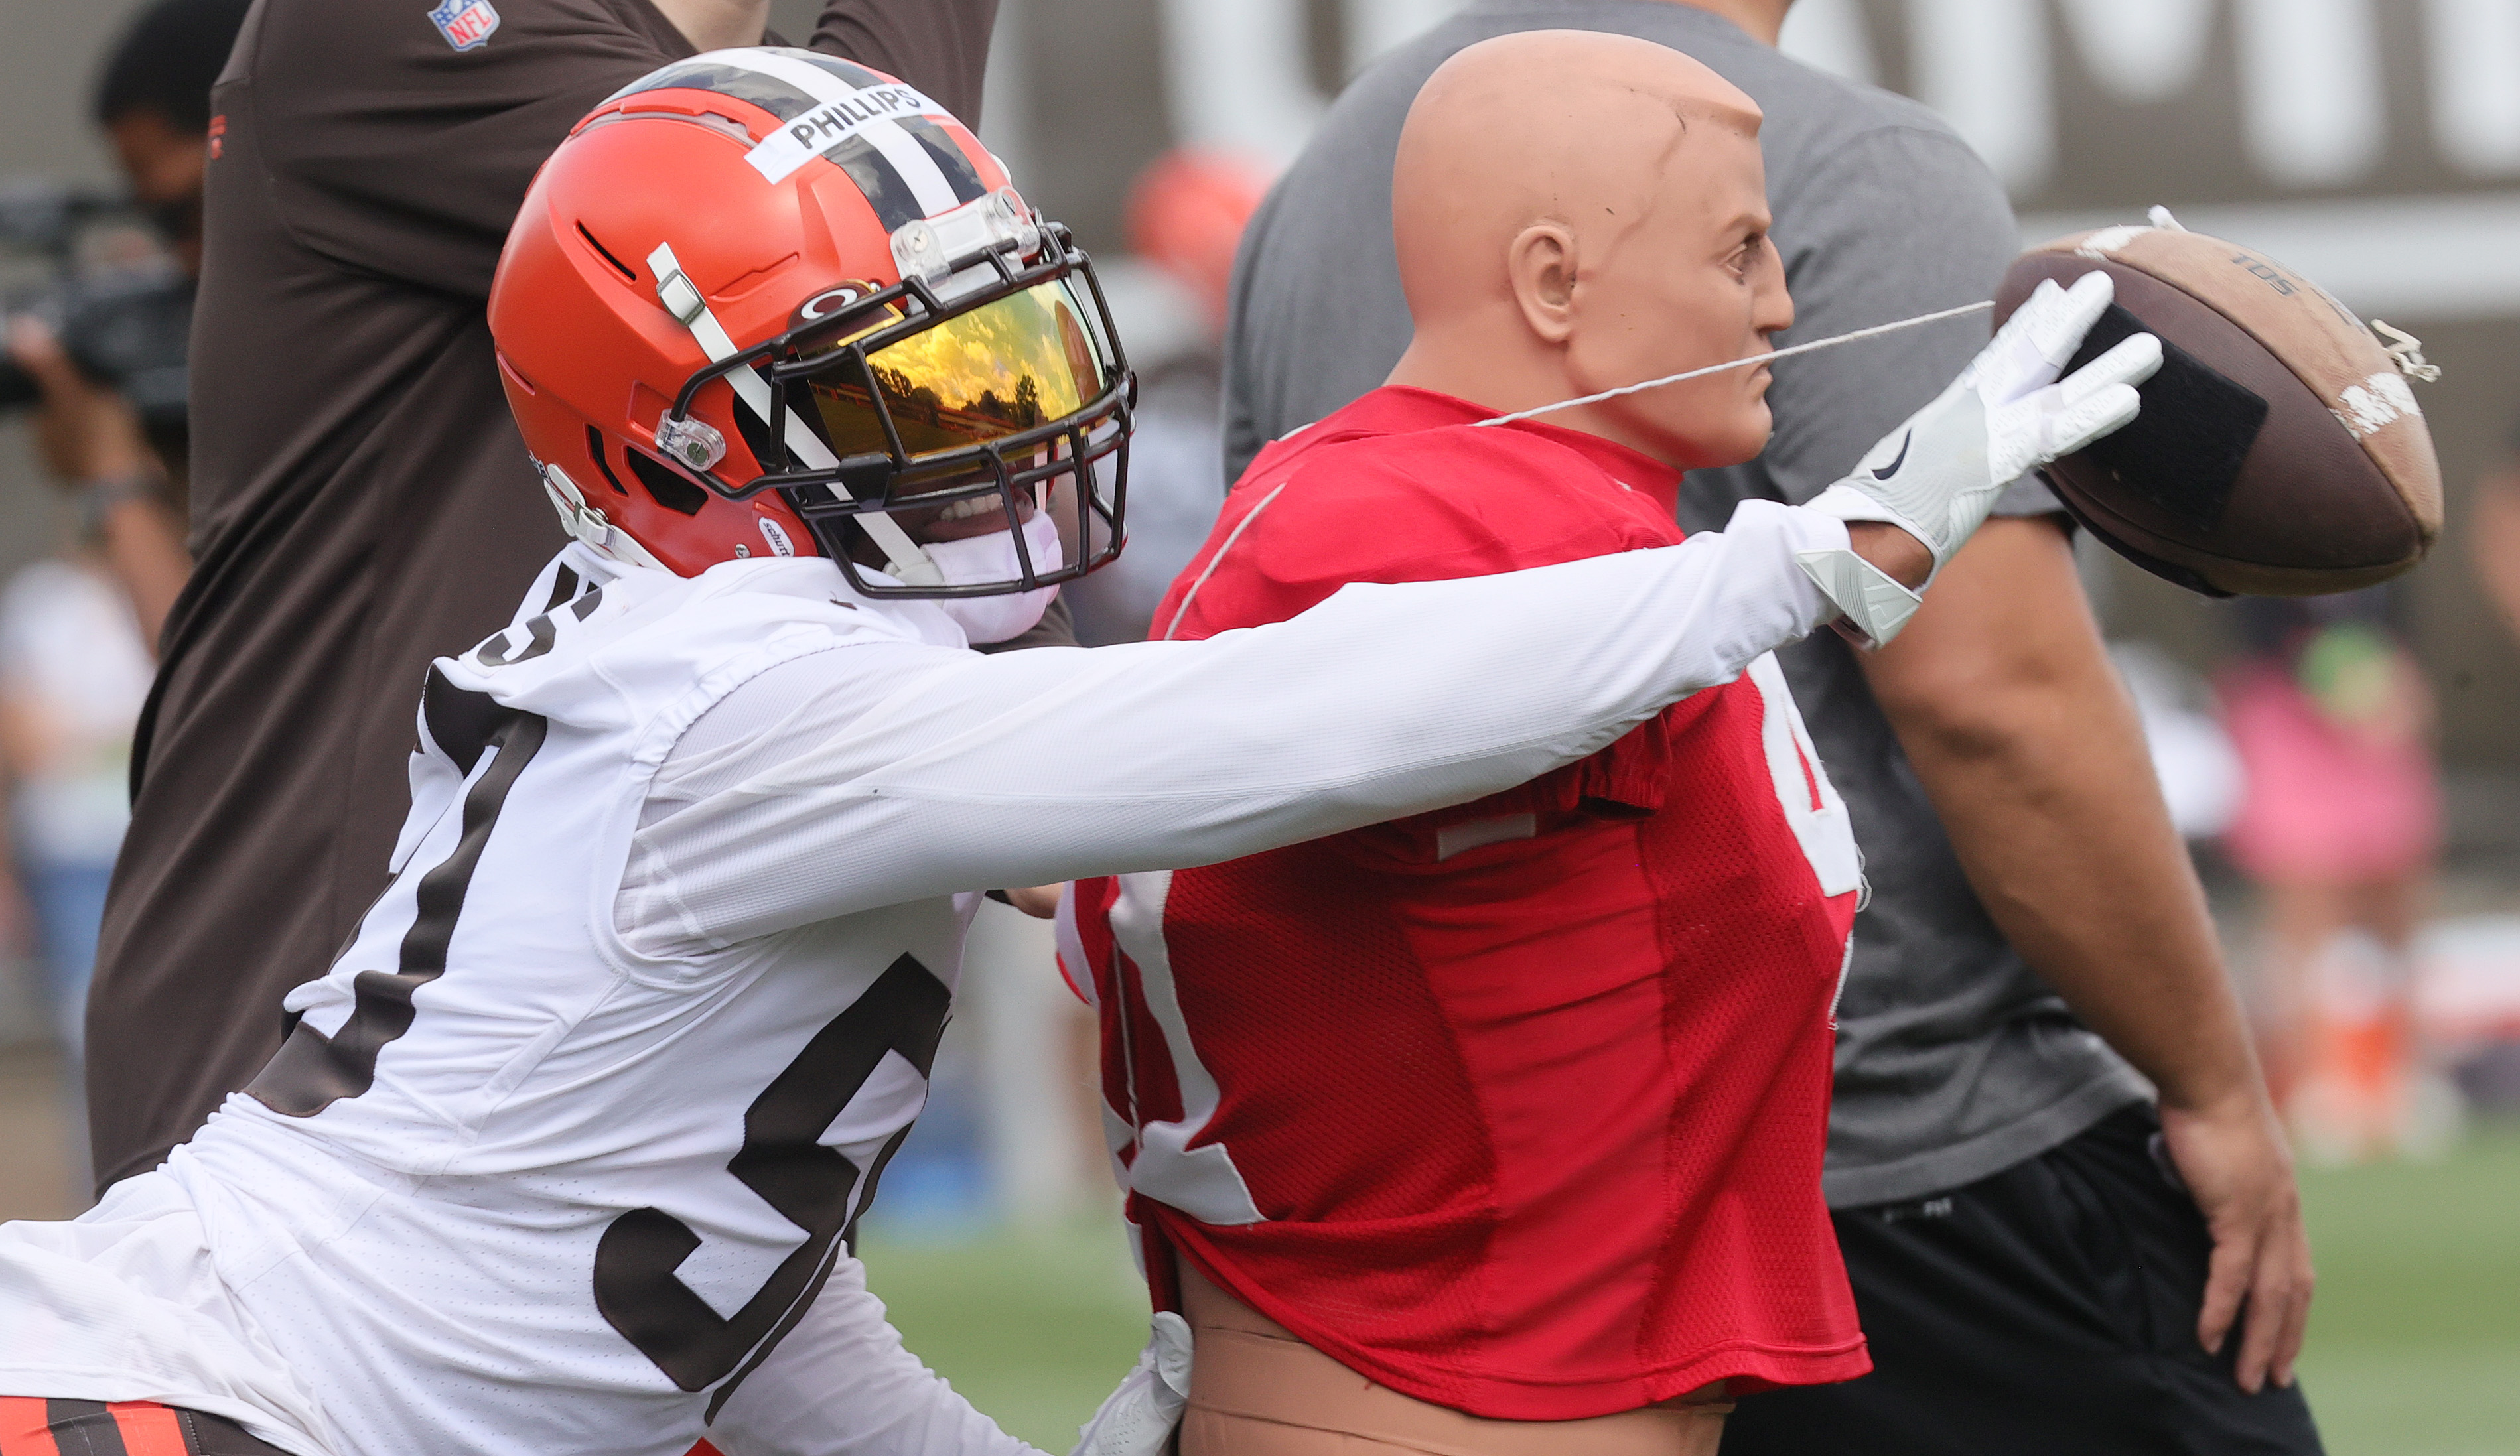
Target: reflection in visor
1003	367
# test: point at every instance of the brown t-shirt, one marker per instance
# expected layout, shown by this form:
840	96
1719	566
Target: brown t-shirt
361	500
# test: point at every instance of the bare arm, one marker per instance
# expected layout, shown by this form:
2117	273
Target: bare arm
939	46
2032	752
144	547
715	24
2496	539
91	442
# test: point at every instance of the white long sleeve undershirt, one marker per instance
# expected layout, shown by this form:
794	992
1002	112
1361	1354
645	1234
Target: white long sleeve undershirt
887	771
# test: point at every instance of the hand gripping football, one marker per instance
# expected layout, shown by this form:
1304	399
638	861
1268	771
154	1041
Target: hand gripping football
2279	451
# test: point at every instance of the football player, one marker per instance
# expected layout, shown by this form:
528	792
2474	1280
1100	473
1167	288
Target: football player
564	1155
1516	1109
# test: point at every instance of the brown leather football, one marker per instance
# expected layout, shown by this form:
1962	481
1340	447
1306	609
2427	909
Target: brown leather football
2281	452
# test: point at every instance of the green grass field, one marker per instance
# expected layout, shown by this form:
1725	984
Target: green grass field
2414	1346
1035	1328
2414	1342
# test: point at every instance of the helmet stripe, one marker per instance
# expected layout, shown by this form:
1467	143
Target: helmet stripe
950	159
713	73
895	204
851	74
927	181
682	299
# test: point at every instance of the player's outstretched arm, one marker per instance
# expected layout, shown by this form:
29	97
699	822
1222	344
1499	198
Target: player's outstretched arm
897	773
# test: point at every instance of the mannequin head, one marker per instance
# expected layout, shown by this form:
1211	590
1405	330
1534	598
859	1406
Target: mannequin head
1575	211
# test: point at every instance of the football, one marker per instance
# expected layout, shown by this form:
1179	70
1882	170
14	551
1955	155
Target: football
2281	452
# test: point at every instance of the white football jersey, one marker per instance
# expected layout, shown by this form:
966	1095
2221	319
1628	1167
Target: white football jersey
562	1156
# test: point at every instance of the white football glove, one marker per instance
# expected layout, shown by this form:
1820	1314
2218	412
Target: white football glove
1138	1418
1938	475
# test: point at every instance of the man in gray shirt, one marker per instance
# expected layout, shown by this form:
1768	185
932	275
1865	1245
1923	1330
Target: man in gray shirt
2048	1253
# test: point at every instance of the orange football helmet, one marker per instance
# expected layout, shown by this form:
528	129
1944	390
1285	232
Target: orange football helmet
766	301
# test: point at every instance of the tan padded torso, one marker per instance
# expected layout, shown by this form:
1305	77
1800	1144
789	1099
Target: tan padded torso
1258	1390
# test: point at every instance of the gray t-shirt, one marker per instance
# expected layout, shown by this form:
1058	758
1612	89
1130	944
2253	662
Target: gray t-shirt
1953	1061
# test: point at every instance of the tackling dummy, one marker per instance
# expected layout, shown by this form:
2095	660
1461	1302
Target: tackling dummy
1516	1109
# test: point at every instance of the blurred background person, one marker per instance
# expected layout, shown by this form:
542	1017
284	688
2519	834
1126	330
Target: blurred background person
102	355
99	357
2494	539
73	671
1020	1134
95	447
2339	826
1185	216
2191	753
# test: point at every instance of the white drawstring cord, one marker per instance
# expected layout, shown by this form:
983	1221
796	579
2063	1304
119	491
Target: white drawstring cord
1716	369
1240	526
1208	570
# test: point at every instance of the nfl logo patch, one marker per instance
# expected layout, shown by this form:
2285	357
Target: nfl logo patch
464	23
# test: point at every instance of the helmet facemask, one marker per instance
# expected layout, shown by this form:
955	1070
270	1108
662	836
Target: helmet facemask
985	390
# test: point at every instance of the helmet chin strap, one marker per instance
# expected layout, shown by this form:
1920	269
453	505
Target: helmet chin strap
589	523
905	561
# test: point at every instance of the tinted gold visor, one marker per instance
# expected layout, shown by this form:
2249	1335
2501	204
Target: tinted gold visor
1004	367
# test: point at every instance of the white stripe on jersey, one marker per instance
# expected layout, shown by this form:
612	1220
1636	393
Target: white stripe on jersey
1811	804
1201	1181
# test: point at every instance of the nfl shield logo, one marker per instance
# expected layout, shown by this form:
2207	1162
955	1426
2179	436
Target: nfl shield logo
464	23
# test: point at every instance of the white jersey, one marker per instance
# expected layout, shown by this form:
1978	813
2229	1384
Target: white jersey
561	1156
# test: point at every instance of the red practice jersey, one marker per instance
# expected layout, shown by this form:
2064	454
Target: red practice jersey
1517	1106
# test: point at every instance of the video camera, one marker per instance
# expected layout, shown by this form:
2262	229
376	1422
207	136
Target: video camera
125	325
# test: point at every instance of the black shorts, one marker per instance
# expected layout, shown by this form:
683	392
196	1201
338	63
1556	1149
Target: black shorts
31	1426
2047	1310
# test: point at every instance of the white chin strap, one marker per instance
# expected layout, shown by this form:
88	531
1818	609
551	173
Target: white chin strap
589	523
905	561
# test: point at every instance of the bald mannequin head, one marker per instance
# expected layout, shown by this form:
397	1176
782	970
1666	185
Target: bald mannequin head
1576	212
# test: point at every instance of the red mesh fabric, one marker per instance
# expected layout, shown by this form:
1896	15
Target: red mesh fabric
1360	1036
1743	1047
